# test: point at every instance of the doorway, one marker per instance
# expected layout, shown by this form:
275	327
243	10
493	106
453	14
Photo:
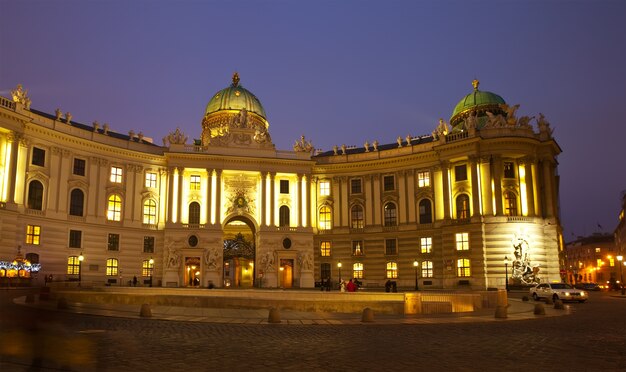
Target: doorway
239	254
286	273
192	272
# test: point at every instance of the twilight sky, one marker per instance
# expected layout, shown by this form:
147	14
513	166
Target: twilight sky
338	72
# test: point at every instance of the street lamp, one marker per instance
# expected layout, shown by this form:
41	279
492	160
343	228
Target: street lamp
80	267
621	275
506	273
339	267
151	263
416	265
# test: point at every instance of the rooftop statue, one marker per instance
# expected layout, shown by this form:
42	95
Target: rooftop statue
175	138
303	145
20	95
442	130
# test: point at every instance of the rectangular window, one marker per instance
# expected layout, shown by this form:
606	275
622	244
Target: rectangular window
194	183
389	183
324	188
392	270
151	180
114	242
460	173
325	249
463	268
357	248
427	269
391	248
509	169
357	270
39	157
355	186
325	271
116	175
426	244
147	267
462	241
79	167
112	265
423	179
73	265
33	233
148	244
76	238
284	186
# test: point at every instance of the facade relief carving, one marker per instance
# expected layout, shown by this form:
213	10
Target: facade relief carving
523	270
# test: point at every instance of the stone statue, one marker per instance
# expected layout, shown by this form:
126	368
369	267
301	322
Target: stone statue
399	140
175	138
524	122
68	117
335	149
267	262
495	121
241	119
522	270
441	131
211	258
367	146
303	145
20	95
305	261
343	149
544	126
173	256
510	113
58	114
408	140
375	144
471	122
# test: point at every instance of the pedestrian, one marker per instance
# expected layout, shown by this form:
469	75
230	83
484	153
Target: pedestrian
342	285
135	281
351	286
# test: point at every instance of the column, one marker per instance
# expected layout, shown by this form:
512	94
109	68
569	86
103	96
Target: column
530	185
410	192
209	190
218	198
344	202
485	183
445	185
473	165
263	210
497	180
311	190
402	201
299	200
172	199
272	198
548	178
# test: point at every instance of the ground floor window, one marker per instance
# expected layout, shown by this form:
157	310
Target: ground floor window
357	270
392	270
463	267
427	269
112	265
73	265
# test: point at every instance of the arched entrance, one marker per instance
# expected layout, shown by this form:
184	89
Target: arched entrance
239	253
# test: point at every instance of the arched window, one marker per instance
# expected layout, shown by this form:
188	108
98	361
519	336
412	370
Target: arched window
149	212
283	216
462	207
73	265
510	203
392	270
77	201
35	195
357	270
356	217
112	265
325	218
114	208
194	213
426	211
390	215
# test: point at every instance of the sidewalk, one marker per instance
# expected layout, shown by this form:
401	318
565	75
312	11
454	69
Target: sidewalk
517	310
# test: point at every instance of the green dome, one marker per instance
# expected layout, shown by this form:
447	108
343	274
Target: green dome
476	101
235	97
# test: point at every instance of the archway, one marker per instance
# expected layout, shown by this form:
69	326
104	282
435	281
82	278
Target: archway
239	253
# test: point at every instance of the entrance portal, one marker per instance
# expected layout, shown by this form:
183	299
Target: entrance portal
239	253
192	271
286	273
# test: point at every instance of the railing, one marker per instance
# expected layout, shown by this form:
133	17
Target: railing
4	102
34	212
390	228
193	226
457	136
519	219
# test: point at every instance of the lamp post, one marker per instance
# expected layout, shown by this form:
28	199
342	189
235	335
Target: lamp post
339	267
416	265
506	273
80	267
621	275
151	263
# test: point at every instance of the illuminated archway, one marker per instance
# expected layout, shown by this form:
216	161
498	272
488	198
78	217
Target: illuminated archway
239	252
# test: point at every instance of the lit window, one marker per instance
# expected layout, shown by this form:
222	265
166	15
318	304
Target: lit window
324	188
427	269
460	173
357	270
33	234
76	237
114	209
611	261
423	179
113	242
35	195
390	214
283	216
112	265
357	248
149	212
325	249
79	167
147	267
194	183
463	268
391	248
116	175
462	241
509	169
39	157
77	201
389	183
510	204
598	250
392	270
425	211
73	265
151	180
426	244
194	213
462	207
148	244
325	218
356	214
355	186
284	186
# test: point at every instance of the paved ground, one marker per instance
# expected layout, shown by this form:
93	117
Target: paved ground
592	337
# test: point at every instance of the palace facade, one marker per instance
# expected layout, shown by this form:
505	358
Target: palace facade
228	209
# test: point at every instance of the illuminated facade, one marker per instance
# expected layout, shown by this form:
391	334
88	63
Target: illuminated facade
229	209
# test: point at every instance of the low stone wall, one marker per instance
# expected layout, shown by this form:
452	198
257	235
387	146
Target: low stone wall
310	301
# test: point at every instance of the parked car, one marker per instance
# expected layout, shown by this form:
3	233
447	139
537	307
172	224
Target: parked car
558	291
588	286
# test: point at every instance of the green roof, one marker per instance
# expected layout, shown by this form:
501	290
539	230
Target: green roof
235	97
477	98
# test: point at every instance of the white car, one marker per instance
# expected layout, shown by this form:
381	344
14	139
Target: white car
558	291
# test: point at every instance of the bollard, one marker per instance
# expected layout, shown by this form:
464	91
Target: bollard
549	300
540	309
145	311
368	315
558	304
501	312
30	298
274	316
62	304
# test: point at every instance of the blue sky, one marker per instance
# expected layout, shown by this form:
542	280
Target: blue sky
338	72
